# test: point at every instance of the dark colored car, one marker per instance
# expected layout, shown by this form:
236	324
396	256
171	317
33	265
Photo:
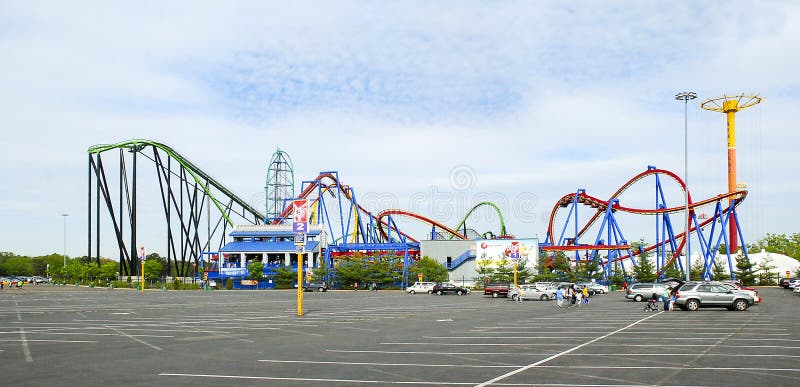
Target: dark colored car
315	287
442	288
496	289
784	282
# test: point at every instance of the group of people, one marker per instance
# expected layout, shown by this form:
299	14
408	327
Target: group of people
574	296
668	298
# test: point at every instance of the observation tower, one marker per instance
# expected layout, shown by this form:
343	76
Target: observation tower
280	184
730	105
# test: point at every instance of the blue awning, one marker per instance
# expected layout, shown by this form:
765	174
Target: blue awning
266	247
271	233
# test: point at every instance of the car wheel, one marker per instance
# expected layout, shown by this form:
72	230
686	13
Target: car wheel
495	294
740	305
601	291
460	292
692	305
411	292
439	292
544	297
430	291
638	298
319	289
513	297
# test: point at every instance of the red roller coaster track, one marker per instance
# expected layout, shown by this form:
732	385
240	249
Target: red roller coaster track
602	206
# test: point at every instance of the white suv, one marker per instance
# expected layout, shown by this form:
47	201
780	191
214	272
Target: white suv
421	287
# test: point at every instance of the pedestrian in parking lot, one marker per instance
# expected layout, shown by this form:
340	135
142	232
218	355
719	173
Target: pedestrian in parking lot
355	286
673	296
559	297
573	294
578	298
585	292
666	296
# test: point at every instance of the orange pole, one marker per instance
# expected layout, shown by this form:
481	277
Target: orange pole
730	108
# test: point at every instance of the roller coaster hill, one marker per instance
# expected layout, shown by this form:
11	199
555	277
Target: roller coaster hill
592	230
208	229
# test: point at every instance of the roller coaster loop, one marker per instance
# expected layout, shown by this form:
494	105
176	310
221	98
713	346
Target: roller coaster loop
617	247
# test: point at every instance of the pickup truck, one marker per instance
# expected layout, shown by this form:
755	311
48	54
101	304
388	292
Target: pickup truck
496	289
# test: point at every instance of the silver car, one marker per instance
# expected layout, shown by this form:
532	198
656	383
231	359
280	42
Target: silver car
644	290
696	295
531	292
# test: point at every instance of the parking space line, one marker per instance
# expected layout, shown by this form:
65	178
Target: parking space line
316	379
134	338
25	349
389	364
538	363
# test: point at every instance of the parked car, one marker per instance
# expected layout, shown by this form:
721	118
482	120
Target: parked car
594	287
643	290
442	288
496	289
421	287
793	284
531	292
784	282
315	287
752	292
695	295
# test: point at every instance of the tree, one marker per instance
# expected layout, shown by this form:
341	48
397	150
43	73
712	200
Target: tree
766	275
744	270
562	269
483	267
779	243
18	266
430	269
284	277
152	269
108	270
696	271
256	270
644	271
718	270
672	271
504	271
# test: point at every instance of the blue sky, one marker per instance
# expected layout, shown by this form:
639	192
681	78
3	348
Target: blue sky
536	98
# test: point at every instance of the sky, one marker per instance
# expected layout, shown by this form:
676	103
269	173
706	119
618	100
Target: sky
430	106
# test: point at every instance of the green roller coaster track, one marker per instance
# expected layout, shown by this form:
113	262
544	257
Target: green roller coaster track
490	204
201	178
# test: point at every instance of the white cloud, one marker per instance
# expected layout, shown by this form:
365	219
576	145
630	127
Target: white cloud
541	98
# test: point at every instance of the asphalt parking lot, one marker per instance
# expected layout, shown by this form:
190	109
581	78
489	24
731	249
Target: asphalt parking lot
78	336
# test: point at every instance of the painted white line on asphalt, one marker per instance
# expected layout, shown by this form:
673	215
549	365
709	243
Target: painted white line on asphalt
356	381
538	363
49	341
25	349
134	338
389	364
664	367
552	353
484	344
316	379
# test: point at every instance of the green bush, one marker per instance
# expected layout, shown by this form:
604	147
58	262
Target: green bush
229	284
176	285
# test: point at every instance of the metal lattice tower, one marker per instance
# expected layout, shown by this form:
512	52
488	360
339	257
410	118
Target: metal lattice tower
280	183
730	105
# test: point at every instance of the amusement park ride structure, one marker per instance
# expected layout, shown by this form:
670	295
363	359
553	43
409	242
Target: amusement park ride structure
188	194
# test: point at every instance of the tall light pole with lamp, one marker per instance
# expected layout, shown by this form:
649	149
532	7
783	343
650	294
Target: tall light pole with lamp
65	215
686	96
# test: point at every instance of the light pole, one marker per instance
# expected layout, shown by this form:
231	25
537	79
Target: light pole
65	238
686	96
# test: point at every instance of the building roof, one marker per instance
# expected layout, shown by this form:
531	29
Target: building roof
266	247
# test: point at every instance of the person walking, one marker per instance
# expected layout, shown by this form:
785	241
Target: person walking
585	293
355	286
573	295
559	297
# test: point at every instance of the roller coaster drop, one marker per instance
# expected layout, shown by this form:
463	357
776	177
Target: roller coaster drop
188	194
